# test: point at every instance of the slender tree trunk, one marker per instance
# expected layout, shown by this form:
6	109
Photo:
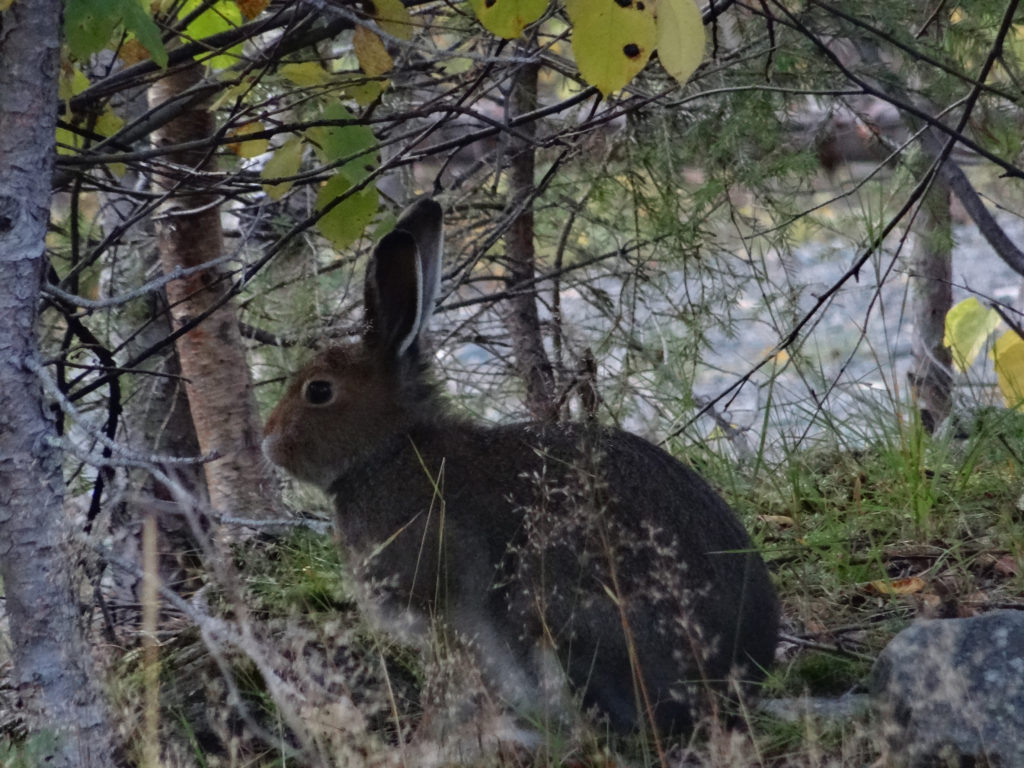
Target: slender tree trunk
212	356
521	316
156	422
931	379
52	662
931	284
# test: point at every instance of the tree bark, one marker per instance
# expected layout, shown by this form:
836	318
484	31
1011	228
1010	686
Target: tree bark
931	285
53	667
212	356
521	316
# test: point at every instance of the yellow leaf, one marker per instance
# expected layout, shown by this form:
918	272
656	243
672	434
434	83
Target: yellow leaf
252	8
68	142
108	123
213	18
968	326
611	42
907	586
373	56
306	73
508	18
284	162
680	36
779	521
393	17
132	52
71	83
5	4
251	147
1008	356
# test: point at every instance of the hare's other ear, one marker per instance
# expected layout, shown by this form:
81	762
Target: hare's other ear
424	220
393	294
403	278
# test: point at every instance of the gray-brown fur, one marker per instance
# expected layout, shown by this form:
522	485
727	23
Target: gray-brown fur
518	538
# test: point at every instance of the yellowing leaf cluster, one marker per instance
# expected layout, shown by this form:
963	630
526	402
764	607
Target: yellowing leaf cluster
969	326
612	40
252	8
393	18
1008	357
245	146
373	55
508	18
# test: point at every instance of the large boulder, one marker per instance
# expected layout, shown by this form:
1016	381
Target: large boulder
951	692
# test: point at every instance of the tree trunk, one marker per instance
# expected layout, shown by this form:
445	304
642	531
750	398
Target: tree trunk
931	284
521	316
52	662
212	356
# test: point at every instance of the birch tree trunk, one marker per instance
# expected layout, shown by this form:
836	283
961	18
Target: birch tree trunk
522	317
52	662
212	355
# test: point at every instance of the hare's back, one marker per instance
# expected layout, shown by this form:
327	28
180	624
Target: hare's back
566	486
599	510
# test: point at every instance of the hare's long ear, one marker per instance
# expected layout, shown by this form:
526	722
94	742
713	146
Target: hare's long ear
393	293
403	279
424	220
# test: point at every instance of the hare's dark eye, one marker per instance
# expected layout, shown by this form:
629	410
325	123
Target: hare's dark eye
319	392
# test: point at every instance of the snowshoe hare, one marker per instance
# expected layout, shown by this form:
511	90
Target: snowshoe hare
529	542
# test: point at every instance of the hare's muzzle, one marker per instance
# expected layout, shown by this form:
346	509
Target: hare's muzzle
271	447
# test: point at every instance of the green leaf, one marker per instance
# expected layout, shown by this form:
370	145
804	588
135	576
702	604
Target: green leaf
355	142
968	326
345	223
680	36
611	42
89	26
305	73
360	89
285	161
508	18
139	21
219	17
1008	355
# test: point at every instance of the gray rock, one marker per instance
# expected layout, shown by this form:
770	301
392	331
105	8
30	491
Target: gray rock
951	692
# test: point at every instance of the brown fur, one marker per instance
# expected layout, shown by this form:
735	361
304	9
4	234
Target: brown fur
525	538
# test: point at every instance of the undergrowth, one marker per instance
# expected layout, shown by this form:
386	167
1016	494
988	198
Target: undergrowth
860	541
